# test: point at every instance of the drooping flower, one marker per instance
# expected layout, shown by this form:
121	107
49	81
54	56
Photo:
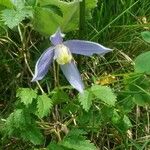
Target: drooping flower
62	53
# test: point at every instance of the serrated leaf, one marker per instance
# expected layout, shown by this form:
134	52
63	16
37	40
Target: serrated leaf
13	17
146	36
44	104
26	95
17	120
32	134
142	63
104	94
85	99
55	146
76	140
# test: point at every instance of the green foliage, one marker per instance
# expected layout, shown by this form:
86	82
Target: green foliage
20	123
59	96
86	99
44	104
13	17
104	94
146	36
76	140
142	63
26	95
102	120
66	17
6	3
138	88
121	122
32	134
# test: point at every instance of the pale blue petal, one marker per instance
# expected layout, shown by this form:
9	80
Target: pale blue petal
73	76
57	37
43	63
86	48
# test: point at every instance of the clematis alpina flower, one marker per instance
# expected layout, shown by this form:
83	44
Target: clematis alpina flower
62	53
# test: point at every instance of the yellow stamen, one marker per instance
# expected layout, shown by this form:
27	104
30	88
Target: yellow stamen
63	54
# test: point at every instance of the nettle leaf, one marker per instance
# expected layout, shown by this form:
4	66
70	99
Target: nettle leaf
44	104
19	123
104	93
32	134
26	95
55	146
86	99
76	140
142	63
13	17
17	120
146	36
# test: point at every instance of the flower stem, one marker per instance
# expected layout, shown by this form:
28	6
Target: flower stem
82	20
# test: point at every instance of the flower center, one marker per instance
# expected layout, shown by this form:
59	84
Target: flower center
62	54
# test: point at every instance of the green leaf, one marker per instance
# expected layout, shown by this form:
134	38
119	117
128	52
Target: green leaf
86	99
55	146
13	17
26	95
19	4
104	93
44	104
146	36
54	9
138	87
46	22
59	96
142	63
76	140
32	134
17	120
122	123
6	3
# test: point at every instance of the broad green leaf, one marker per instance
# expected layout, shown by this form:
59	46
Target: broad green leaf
26	95
46	22
104	93
54	9
44	104
6	3
142	63
13	17
85	99
146	36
